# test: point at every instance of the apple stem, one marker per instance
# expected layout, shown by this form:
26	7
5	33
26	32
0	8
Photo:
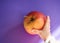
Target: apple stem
25	16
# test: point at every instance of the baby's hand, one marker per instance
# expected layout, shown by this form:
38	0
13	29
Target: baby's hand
46	30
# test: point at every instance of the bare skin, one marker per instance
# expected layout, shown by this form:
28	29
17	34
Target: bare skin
46	30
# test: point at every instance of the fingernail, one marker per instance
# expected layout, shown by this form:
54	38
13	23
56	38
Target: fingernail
32	30
47	16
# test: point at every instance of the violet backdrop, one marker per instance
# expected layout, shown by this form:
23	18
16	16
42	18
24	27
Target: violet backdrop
12	14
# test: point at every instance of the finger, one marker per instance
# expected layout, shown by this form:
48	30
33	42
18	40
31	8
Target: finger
47	25
36	31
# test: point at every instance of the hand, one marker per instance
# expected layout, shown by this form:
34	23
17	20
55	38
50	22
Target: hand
46	30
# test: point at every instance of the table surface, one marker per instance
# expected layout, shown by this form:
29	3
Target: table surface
12	15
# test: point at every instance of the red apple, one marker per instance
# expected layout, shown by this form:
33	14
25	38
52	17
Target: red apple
34	20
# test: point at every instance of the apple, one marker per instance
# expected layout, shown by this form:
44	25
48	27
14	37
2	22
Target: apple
34	20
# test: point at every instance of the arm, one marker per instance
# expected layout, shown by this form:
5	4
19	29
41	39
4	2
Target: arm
45	34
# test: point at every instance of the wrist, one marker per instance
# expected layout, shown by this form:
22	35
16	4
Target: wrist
48	36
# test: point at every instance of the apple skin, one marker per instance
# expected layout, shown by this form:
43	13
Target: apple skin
34	20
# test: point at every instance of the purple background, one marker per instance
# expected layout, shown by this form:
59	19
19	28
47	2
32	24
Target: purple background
12	15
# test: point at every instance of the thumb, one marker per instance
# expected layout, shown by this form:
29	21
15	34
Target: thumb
47	25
